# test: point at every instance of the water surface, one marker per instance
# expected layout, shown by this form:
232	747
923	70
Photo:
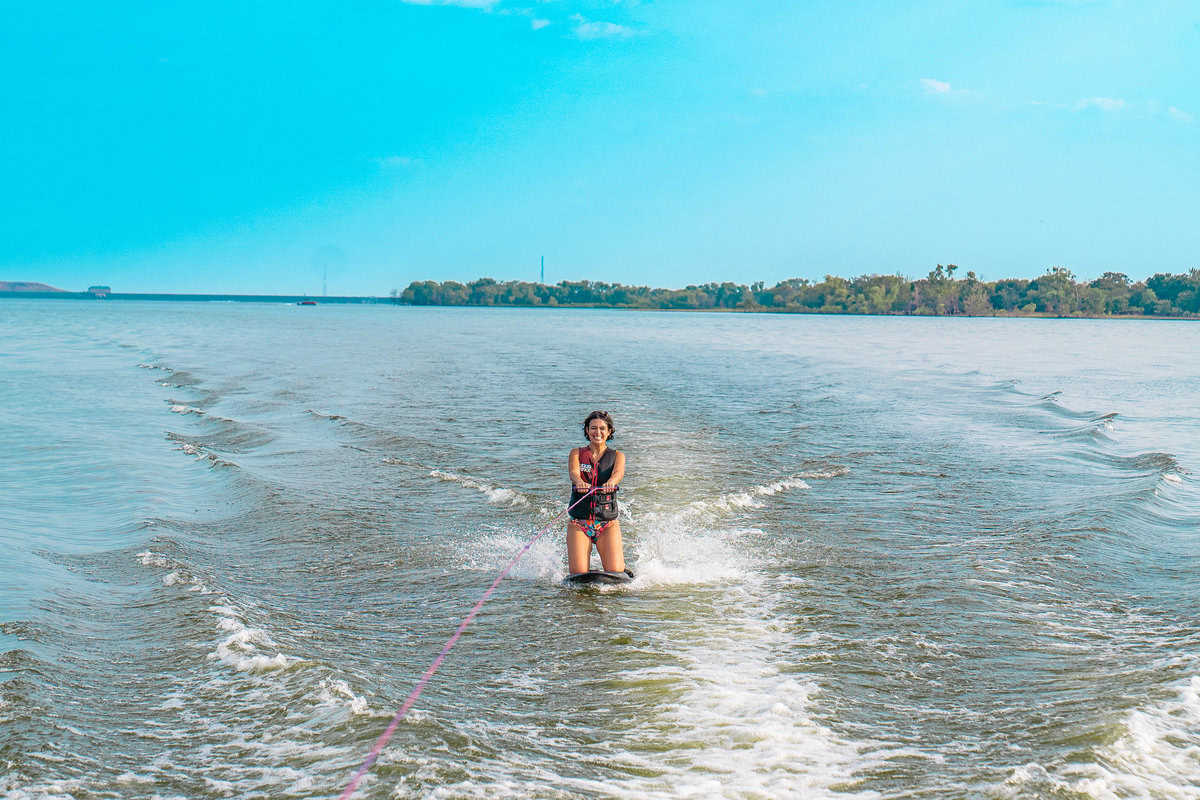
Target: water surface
876	557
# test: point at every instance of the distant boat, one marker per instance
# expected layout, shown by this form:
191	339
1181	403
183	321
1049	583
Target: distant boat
307	303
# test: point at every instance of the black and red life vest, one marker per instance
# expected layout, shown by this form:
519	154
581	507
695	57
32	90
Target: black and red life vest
600	505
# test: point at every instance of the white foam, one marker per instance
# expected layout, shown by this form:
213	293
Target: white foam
738	724
179	576
684	544
241	754
1171	477
743	728
1156	755
671	551
496	496
184	409
768	489
133	777
336	692
50	790
1159	754
240	649
152	559
225	788
747	498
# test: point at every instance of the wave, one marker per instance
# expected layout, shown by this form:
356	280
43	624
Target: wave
749	498
243	647
220	434
699	541
824	474
1052	404
740	716
224	433
253	672
666	544
499	496
1095	428
1153	755
737	724
179	379
1146	463
199	451
375	436
180	408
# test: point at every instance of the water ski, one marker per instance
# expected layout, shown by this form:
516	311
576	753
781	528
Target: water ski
598	576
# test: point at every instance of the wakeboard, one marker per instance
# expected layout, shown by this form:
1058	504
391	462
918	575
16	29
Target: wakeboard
597	576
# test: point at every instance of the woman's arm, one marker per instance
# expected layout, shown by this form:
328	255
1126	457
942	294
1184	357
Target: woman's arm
573	472
618	473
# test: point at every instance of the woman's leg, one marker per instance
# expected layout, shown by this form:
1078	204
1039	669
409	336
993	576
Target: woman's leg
579	550
612	551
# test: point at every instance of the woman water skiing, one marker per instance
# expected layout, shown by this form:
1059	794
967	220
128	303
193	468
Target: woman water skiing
594	521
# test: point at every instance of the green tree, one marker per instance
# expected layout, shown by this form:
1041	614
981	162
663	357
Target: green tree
1142	299
940	292
1057	291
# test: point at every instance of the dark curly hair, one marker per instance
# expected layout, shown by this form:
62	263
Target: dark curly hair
601	415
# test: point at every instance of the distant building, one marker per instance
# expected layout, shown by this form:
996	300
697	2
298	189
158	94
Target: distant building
99	291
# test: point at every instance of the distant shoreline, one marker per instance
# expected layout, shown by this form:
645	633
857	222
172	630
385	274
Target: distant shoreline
1055	294
194	298
375	300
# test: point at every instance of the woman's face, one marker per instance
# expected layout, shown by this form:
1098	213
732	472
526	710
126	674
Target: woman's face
597	431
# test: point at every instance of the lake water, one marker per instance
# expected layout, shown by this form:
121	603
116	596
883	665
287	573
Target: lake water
876	557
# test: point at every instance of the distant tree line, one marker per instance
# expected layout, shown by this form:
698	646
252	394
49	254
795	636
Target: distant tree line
1056	293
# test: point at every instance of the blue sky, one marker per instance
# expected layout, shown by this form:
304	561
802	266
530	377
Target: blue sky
253	147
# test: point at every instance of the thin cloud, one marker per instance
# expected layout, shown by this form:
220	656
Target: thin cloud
538	24
480	4
592	29
1101	103
1180	114
933	86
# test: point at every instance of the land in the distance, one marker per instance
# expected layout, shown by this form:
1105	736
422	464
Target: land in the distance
32	290
1056	293
25	287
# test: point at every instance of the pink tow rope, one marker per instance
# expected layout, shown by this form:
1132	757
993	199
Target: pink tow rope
382	741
